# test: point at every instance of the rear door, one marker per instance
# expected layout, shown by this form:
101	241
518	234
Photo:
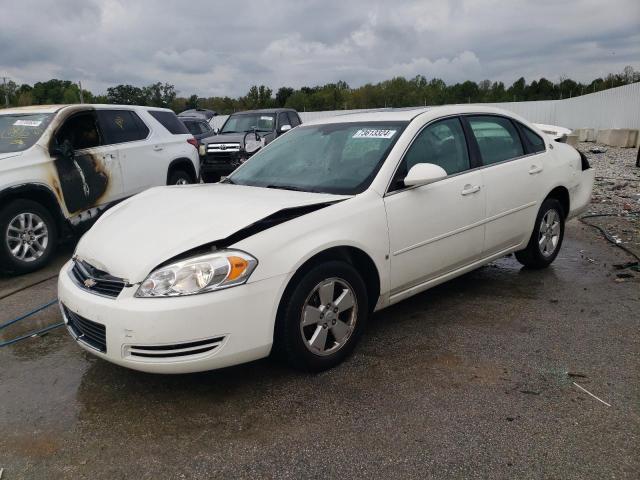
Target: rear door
437	228
126	133
512	177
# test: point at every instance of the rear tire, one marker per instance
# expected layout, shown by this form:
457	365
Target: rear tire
547	236
180	177
28	237
321	319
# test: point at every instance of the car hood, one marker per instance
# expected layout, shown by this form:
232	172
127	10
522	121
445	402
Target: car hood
231	137
9	155
139	234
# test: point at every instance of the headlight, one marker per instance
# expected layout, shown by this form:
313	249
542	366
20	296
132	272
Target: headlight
205	273
202	150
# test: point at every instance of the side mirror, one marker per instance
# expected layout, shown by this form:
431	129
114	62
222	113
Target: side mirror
424	174
284	128
216	131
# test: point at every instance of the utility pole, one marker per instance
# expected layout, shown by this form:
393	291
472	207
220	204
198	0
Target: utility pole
6	92
81	96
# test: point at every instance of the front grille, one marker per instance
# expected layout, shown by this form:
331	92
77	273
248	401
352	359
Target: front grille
86	331
176	350
96	281
221	158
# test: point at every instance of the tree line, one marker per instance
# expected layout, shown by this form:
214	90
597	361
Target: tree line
397	92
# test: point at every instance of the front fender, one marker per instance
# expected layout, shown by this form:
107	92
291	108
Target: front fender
358	222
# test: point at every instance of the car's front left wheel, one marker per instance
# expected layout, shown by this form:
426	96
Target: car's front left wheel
322	317
29	236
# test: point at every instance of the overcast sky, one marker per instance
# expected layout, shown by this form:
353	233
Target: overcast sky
212	47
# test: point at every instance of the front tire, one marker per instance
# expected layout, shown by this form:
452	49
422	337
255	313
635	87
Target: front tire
547	236
322	317
29	236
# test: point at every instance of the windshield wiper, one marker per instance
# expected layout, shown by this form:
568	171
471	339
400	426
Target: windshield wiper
290	187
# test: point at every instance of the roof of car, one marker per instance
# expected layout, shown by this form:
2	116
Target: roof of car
56	108
266	110
406	114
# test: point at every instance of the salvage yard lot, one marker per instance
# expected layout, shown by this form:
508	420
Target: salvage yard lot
473	379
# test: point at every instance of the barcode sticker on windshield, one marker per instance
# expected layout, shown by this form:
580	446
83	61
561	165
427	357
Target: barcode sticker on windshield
372	133
27	123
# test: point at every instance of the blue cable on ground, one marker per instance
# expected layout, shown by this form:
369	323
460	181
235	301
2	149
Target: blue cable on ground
32	334
27	315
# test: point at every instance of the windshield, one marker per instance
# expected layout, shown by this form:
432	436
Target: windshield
246	122
335	158
20	131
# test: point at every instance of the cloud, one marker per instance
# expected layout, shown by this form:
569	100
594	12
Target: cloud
220	48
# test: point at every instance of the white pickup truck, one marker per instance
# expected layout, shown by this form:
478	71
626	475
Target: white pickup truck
61	165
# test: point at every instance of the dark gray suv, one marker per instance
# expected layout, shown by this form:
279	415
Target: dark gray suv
243	134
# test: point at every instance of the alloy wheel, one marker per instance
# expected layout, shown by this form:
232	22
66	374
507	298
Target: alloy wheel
549	233
27	237
328	317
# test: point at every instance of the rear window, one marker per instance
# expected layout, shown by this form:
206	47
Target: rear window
21	131
120	126
170	121
497	138
534	141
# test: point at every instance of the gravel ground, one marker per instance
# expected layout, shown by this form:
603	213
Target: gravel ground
616	196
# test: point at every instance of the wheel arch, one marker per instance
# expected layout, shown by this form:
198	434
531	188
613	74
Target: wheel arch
561	194
185	164
355	256
39	193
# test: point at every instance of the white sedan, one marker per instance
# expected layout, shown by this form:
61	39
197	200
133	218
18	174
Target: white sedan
332	221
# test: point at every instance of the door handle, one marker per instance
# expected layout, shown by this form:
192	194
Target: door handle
534	169
469	189
157	148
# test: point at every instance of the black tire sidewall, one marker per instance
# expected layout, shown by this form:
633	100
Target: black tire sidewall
288	337
177	175
537	259
8	262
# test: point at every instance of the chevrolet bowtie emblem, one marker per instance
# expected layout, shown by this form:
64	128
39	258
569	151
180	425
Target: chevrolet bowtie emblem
90	283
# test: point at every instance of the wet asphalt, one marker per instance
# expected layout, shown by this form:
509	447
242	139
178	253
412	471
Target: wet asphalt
472	379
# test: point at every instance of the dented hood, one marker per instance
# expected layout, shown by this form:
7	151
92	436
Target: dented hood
136	236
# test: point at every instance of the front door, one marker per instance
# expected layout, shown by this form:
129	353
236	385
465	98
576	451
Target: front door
438	228
88	171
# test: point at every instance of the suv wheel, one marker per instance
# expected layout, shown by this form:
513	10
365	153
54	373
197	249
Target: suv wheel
546	239
29	236
179	177
322	319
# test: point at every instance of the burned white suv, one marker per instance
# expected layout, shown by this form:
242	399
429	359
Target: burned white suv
61	165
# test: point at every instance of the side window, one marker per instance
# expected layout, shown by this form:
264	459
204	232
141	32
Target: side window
193	127
170	121
205	127
294	120
81	131
283	119
120	126
442	143
534	141
497	138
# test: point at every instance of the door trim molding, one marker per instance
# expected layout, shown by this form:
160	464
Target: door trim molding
464	229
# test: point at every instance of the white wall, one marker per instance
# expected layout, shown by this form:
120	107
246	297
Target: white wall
614	108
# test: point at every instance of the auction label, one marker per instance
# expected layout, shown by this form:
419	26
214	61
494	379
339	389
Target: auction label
371	133
27	123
